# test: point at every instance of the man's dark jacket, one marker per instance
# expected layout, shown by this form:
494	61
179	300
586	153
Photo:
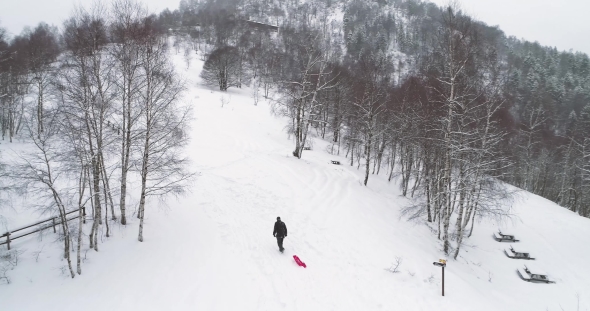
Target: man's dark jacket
280	230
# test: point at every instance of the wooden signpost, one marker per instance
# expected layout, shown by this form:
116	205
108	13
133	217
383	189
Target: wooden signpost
442	263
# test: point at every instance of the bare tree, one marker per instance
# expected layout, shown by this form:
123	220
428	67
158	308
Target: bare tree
369	100
303	84
163	125
455	56
86	88
41	174
451	145
188	51
76	158
222	68
43	50
126	32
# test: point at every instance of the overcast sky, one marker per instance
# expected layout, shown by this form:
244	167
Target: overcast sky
16	14
560	23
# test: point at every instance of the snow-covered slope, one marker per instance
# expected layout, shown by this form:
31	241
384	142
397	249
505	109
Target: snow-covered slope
213	249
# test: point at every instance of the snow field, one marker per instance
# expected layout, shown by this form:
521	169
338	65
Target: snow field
213	249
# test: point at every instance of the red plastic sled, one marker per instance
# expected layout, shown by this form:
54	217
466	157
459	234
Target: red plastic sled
299	262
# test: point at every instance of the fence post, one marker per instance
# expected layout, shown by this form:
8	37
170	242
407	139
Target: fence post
53	220
8	240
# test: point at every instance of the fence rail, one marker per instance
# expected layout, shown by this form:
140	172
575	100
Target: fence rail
54	222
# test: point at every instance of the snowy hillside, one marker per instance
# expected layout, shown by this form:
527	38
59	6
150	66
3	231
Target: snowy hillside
213	249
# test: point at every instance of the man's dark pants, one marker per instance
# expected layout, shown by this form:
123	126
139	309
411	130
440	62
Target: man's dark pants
280	242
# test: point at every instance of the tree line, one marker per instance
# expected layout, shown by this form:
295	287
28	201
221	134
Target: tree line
101	103
443	103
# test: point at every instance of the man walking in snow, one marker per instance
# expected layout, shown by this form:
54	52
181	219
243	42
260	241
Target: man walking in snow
280	232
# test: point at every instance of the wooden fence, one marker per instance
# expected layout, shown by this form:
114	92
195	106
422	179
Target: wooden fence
51	222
